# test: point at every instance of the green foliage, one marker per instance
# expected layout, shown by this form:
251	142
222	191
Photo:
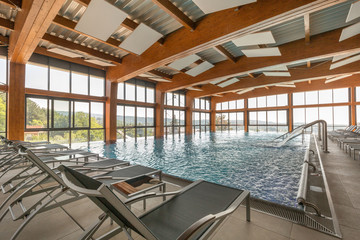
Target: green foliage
2	112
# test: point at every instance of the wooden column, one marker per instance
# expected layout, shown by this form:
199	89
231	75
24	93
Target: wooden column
213	116
159	113
353	106
246	117
16	102
188	115
110	111
290	119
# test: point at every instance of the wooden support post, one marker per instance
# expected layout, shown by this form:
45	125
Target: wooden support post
246	117
290	116
213	116
110	112
353	106
16	102
188	115
159	113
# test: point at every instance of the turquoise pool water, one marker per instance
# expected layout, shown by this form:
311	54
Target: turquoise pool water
246	161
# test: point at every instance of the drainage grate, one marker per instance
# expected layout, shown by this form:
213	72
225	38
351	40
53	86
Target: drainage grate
291	214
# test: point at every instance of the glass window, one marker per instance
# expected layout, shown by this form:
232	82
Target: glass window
81	110
357	114
311	97
207	105
97	115
176	99
271	118
299	116
36	76
120	116
3	70
97	86
261	102
326	113
150	95
61	114
271	101
140	116
232	118
325	96
196	103
36	113
232	105
130	116
59	79
240	118
240	104
341	95
79	83
282	100
252	102
261	118
169	99
130	91
282	117
311	114
253	118
182	100
357	91
298	99
140	94
150	117
218	106
225	105
341	117
2	112
120	91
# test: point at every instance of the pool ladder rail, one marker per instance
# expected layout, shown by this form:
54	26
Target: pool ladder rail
322	133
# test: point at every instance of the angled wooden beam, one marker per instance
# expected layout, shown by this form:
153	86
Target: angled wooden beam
300	87
324	45
229	25
70	25
176	13
307	28
297	75
31	23
225	53
12	3
44	51
70	45
7	24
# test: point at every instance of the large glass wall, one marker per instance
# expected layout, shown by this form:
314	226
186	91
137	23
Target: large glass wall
3	95
268	121
335	116
279	100
64	121
135	122
136	90
51	74
174	113
201	122
229	121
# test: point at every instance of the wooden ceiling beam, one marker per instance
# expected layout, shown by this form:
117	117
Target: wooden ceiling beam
31	23
6	24
297	75
70	45
44	51
300	87
176	13
322	46
215	29
161	74
225	53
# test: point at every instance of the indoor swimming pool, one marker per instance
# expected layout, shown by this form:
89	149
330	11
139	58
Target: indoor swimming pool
242	160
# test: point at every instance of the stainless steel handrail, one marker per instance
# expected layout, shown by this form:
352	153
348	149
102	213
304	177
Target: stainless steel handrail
322	135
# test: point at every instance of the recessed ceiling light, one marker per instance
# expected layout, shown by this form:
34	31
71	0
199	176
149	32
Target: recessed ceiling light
350	31
354	11
202	67
64	52
228	82
333	79
262	52
100	19
210	6
140	39
345	62
184	62
255	39
101	63
277	74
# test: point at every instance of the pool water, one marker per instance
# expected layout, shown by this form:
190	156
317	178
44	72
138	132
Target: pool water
248	161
